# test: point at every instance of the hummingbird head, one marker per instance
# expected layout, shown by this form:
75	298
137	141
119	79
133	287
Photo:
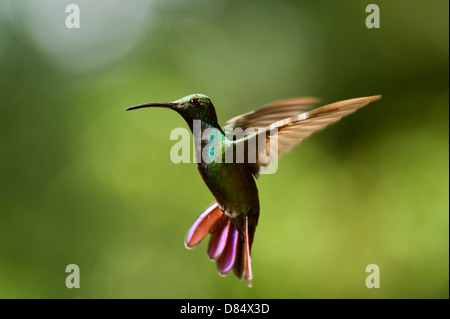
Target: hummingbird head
191	107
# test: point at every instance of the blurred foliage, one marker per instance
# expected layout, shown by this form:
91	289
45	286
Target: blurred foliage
83	182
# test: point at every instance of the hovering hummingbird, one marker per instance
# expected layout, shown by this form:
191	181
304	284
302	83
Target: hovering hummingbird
232	218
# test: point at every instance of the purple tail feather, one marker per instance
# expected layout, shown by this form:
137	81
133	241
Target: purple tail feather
229	248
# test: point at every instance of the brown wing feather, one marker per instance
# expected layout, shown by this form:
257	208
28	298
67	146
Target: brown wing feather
271	113
291	131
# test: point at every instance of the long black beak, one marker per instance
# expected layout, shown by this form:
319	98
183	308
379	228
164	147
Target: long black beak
170	105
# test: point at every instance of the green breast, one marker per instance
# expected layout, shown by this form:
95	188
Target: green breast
232	184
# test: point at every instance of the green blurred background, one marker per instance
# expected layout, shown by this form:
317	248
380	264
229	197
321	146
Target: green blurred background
84	182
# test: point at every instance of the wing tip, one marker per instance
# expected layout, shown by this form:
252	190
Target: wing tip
369	99
375	97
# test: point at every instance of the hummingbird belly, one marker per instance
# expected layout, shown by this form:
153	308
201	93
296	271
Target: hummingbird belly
233	186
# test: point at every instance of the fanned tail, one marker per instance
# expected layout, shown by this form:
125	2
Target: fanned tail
227	246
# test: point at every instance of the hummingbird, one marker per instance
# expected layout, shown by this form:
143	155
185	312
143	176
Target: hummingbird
232	219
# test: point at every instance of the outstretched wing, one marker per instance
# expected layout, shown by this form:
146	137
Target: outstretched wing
270	113
281	136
